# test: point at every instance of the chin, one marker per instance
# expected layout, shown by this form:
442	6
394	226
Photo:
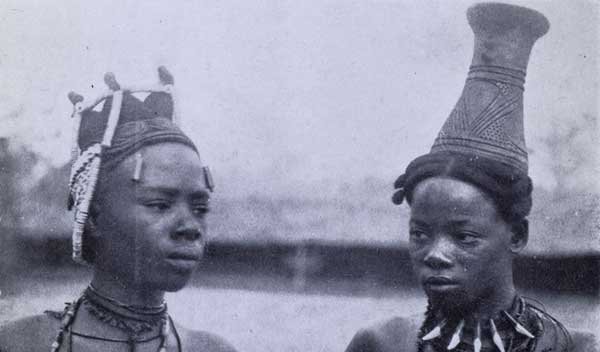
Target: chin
175	285
171	282
448	299
174	288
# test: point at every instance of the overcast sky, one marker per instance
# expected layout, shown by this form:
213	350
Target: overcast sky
281	95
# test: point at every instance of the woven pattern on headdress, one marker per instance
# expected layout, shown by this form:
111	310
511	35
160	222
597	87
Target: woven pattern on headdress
487	120
82	183
131	136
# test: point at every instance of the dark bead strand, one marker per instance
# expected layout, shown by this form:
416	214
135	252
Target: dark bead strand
164	331
66	321
71	311
143	310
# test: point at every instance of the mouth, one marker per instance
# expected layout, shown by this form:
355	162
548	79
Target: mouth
182	261
440	283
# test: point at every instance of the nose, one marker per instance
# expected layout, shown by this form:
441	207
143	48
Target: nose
187	234
189	227
439	254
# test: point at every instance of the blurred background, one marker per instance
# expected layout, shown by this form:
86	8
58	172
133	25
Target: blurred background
306	112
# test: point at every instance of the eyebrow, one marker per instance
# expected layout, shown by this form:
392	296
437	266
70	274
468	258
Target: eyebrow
201	194
417	222
452	222
460	222
172	191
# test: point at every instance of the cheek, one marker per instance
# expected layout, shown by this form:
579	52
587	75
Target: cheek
414	258
151	233
484	264
417	252
135	231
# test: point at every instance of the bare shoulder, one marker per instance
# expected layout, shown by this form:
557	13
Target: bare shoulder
193	340
406	325
34	333
395	334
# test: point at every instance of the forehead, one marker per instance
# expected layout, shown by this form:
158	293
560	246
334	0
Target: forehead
442	197
169	157
163	165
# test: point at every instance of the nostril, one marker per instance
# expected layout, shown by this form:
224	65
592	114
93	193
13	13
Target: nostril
437	260
437	263
193	235
190	234
439	254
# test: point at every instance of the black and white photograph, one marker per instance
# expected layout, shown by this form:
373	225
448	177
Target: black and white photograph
286	176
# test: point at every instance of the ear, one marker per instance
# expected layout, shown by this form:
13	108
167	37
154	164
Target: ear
519	235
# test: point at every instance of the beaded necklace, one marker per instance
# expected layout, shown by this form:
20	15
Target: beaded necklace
141	310
516	329
70	312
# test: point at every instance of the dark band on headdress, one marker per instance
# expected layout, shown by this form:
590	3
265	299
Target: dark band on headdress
132	136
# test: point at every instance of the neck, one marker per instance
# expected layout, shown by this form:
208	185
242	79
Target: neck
106	285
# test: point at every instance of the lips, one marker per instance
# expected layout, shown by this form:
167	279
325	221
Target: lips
440	284
439	280
183	256
182	261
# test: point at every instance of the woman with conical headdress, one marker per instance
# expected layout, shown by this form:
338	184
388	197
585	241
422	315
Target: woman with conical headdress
140	194
469	199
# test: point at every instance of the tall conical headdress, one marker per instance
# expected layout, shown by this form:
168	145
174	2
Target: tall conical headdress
104	138
486	125
488	118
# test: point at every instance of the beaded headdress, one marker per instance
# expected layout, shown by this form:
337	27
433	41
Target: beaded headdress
104	138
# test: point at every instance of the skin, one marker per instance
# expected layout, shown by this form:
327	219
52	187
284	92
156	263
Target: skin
137	227
140	226
457	233
461	248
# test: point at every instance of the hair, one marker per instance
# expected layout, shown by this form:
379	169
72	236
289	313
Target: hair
88	242
509	188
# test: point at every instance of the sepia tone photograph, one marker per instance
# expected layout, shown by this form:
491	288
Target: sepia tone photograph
286	176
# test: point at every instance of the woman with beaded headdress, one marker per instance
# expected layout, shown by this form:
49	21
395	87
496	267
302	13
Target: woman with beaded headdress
140	196
469	198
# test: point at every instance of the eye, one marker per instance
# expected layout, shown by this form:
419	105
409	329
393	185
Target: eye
200	208
159	205
466	238
418	235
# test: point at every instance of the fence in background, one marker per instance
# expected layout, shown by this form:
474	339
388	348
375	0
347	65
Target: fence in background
330	268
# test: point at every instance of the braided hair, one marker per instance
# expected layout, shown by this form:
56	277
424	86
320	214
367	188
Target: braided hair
509	187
